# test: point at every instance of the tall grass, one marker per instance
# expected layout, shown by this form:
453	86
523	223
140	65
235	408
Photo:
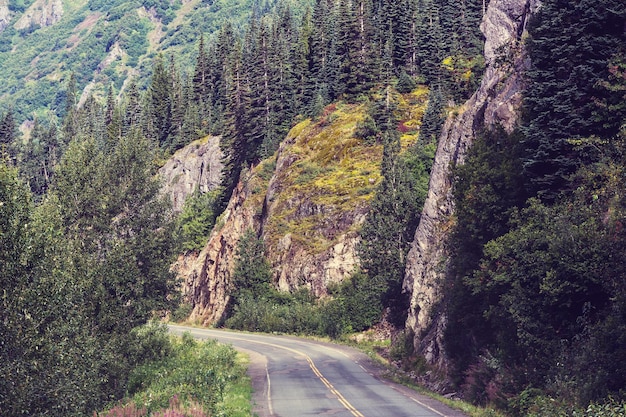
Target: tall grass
196	379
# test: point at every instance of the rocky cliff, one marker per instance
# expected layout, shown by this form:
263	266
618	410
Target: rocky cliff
497	101
307	203
5	14
196	166
205	277
42	13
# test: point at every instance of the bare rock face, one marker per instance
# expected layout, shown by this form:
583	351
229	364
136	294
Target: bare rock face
41	13
311	236
495	102
207	276
196	166
5	14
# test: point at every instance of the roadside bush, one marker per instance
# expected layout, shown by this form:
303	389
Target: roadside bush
283	314
150	343
194	375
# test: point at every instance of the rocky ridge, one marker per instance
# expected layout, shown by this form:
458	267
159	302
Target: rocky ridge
196	166
42	13
497	101
5	14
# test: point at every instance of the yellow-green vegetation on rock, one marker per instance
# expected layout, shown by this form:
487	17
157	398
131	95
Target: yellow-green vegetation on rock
331	176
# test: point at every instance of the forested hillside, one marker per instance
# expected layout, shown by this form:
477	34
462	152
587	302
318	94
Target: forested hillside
329	113
103	43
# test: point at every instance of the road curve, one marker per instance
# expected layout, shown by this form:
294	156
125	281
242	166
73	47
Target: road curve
295	377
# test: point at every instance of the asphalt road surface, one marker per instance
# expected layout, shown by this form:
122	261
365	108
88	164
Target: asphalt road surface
295	377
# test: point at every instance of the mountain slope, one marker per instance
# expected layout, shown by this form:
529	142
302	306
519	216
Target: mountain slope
308	204
103	42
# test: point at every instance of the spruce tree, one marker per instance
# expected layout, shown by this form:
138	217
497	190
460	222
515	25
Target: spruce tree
7	136
160	100
433	118
132	109
564	81
392	219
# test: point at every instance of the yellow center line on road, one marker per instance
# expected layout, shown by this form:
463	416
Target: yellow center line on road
316	371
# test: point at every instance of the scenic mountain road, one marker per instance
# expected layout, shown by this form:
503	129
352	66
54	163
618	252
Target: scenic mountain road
295	377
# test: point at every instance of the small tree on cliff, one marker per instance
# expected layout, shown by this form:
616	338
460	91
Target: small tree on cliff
252	276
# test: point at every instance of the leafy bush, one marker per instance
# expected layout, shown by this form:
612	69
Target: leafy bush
194	375
532	403
283	314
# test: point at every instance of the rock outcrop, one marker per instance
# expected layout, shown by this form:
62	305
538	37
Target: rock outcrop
5	14
496	102
206	277
296	262
196	166
307	204
42	13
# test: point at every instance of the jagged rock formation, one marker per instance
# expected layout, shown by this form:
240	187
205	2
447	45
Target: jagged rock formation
206	277
495	102
196	166
41	13
5	14
305	205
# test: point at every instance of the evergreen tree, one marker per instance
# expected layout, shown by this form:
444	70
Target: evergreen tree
320	52
564	82
69	127
201	77
252	275
114	123
7	136
433	118
304	87
160	110
429	51
233	143
347	49
132	109
393	217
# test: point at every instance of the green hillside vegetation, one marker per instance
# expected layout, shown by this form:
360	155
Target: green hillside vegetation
106	43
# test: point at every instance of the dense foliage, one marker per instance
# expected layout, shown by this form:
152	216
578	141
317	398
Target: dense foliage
80	271
535	296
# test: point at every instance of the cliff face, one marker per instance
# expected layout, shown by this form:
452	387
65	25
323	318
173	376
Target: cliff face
307	204
5	14
41	13
206	277
495	102
196	166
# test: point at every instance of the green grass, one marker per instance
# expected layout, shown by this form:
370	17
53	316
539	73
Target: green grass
199	378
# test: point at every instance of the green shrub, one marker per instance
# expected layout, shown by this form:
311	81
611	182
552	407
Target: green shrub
182	312
611	408
194	374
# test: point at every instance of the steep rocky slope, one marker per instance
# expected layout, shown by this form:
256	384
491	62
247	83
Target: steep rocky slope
497	101
41	14
307	203
5	14
196	166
